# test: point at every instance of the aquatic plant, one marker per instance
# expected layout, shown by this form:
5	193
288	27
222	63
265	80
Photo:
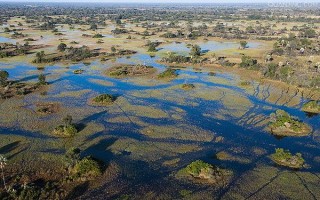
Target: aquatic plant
285	158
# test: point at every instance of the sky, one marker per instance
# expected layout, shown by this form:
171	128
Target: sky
173	1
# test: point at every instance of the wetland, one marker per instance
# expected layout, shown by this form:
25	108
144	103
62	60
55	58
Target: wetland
147	105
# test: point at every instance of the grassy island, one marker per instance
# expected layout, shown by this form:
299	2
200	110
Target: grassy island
285	158
282	124
311	107
200	171
130	71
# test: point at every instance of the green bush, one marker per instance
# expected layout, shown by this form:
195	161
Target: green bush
87	167
195	167
169	73
104	98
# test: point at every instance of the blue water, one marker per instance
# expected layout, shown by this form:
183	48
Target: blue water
181	48
6	40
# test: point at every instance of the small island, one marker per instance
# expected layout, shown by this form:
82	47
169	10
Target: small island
311	107
66	130
47	108
285	158
123	71
168	74
188	86
282	124
78	71
202	172
102	100
81	169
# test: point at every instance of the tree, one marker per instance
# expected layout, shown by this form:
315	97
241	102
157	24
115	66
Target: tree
93	27
195	51
3	77
113	49
243	44
118	22
39	57
67	120
62	47
42	79
6	30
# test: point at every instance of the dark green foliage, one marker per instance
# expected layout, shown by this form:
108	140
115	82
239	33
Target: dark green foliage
93	27
243	44
283	119
40	57
249	63
98	35
42	79
119	31
87	167
104	98
152	46
78	54
187	86
3	77
62	47
169	35
172	57
169	73
270	70
195	51
195	167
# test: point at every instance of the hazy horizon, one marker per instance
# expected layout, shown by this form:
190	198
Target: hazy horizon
164	1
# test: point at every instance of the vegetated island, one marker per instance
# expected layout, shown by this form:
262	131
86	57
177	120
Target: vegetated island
282	124
202	172
285	158
311	107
